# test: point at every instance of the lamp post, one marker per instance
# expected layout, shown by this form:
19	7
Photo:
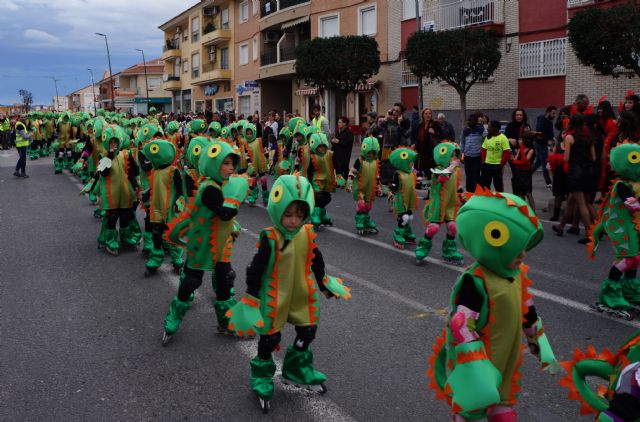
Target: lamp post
146	81
113	95
55	83
93	88
420	78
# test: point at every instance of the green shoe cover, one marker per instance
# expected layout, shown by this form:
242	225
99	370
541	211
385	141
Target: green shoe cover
102	235
136	232
398	235
221	307
360	222
450	251
262	372
156	257
265	196
176	253
324	218
611	295
127	237
253	194
111	239
423	248
298	367
631	290
409	236
316	217
368	223
57	162
147	241
175	313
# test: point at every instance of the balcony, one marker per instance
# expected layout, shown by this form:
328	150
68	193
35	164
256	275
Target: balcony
466	13
276	64
212	73
170	51
172	83
276	12
216	36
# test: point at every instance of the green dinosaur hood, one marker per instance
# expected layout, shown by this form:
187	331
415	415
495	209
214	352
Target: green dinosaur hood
443	152
369	144
252	128
197	127
212	157
172	127
285	190
625	161
113	132
214	129
402	158
293	123
148	132
160	152
316	141
196	147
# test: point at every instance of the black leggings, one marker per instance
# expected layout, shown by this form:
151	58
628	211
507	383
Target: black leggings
268	342
193	280
125	215
322	199
157	230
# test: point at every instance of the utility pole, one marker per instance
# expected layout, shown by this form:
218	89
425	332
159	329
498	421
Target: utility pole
146	81
55	83
418	29
113	95
93	88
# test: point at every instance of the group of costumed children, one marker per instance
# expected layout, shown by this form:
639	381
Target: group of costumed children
191	190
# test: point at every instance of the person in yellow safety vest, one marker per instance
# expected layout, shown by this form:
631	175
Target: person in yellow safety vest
5	133
23	138
320	121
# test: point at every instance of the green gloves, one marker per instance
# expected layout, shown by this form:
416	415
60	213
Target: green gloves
245	315
474	381
340	181
77	166
88	187
336	287
540	347
235	191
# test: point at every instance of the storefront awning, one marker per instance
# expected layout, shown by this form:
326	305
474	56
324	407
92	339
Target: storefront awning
294	22
369	86
308	91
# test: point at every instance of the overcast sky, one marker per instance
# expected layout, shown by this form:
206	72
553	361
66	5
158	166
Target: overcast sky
44	38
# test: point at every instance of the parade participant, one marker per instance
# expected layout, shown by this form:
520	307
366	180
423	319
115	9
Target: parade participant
63	156
190	171
196	128
23	137
618	219
34	147
172	133
214	130
403	194
258	166
476	363
618	399
116	187
322	176
443	203
281	288
49	132
365	175
280	164
165	188
205	227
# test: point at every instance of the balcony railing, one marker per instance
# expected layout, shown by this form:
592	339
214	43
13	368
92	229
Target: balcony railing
271	57
172	78
171	45
271	6
576	3
465	13
208	67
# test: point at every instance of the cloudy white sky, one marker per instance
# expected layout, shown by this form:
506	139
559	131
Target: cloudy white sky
40	39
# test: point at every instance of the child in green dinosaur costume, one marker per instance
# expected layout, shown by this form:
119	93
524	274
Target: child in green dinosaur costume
403	195
258	161
172	131
37	130
165	187
49	131
476	363
443	203
322	176
284	280
618	400
620	219
116	187
205	227
365	175
280	164
63	155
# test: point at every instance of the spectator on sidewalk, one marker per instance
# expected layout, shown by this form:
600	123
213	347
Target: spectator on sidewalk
397	132
424	138
558	168
495	154
521	178
544	126
446	129
471	145
341	146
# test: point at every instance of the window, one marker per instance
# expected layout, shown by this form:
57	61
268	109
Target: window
225	18
154	83
224	58
244	11
185	65
244	53
195	65
256	6
329	26
195	29
244	103
543	58
408	78
409	9
255	49
367	20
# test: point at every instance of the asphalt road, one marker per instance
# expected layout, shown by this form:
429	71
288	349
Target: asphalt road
80	330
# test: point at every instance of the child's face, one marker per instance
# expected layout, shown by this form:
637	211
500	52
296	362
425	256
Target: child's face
113	145
371	155
515	264
227	168
322	150
293	217
249	133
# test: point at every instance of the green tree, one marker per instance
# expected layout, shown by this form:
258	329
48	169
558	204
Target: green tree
607	39
27	99
459	57
338	63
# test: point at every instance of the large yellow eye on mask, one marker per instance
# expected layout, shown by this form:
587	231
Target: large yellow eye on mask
201	125
364	147
496	233
313	142
196	150
404	155
443	150
145	131
634	157
214	151
104	137
154	149
276	194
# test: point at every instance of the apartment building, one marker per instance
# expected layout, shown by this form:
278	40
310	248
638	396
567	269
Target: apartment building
83	99
198	57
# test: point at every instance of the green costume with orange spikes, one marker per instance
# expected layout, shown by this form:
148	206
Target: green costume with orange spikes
258	171
476	363
322	176
283	285
404	199
363	181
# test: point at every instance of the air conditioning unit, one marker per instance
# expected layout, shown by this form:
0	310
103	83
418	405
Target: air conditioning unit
215	10
270	37
207	11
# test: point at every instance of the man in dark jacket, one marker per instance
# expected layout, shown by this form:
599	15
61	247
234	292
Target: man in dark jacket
544	125
342	144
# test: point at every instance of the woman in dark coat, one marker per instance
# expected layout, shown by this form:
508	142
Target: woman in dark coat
426	137
342	144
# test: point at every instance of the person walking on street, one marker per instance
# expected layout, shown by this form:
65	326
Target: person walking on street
320	121
544	125
471	146
23	138
341	146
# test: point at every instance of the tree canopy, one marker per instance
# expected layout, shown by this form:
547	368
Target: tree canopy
607	40
27	99
338	63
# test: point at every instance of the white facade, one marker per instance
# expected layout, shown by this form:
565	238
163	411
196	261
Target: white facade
60	103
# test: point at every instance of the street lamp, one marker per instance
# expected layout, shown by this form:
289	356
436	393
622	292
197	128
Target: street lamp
55	83
113	95
418	30
93	88
146	81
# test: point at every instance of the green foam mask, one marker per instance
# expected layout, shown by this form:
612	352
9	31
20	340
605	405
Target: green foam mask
160	152
286	190
402	159
212	157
